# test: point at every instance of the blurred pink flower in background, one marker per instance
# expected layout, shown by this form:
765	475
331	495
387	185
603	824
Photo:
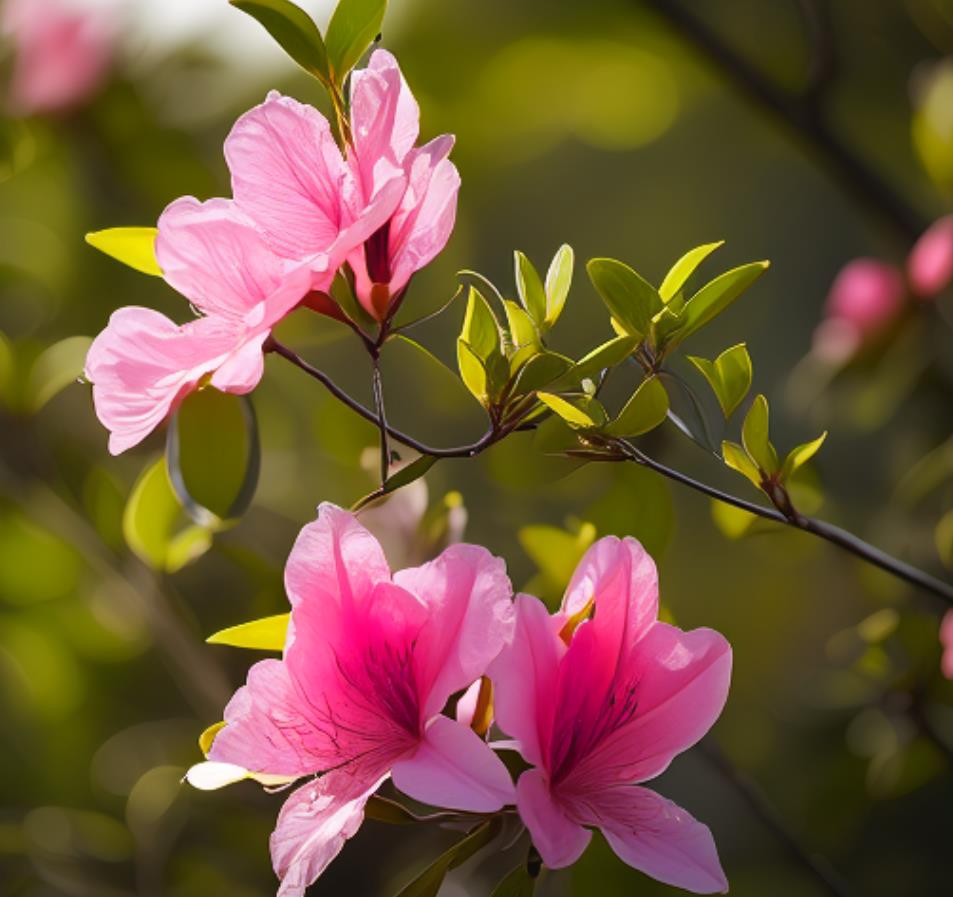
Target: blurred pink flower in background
930	264
946	640
62	53
598	705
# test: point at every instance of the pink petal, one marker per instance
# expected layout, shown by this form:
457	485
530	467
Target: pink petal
453	767
867	293
930	265
243	369
469	599
288	175
313	826
946	640
213	255
467	703
656	836
524	676
679	683
558	838
142	364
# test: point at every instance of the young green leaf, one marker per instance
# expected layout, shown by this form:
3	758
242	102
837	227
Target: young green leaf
800	455
558	281
404	476
729	376
570	411
133	246
530	288
631	300
295	32
524	335
684	268
643	412
608	355
480	328
54	369
737	459
472	371
541	370
713	298
352	29
755	436
266	634
214	456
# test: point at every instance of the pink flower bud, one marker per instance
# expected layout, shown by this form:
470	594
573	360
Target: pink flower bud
930	265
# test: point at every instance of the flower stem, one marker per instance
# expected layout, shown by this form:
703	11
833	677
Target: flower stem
378	387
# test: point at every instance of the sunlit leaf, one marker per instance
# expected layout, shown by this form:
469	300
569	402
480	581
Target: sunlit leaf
530	288
214	455
737	458
569	411
187	546
541	370
754	436
266	634
631	300
800	455
558	282
133	246
54	369
480	329
472	371
608	355
644	411
524	335
684	268
354	26
729	376
732	522
294	30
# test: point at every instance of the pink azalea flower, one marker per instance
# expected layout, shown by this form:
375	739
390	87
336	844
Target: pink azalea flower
599	706
370	662
946	640
930	265
62	54
143	364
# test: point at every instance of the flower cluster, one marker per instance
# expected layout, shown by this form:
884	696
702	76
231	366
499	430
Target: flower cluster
302	209
596	698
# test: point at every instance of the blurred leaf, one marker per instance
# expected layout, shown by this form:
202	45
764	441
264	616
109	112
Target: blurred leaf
631	300
354	26
343	295
214	455
555	551
800	455
530	288
608	355
558	282
754	436
133	246
731	522
428	883
713	298
187	546
266	634
295	32
380	809
55	369
737	459
943	538
571	411
928	474
553	437
7	370
684	268
646	409
932	125
517	883
729	376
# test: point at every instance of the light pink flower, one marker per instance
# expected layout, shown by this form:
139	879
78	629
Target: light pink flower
930	264
369	664
62	53
607	711
946	640
143	364
385	121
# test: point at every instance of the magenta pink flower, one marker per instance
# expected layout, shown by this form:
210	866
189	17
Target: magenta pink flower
601	705
61	54
930	264
946	640
385	121
369	664
143	364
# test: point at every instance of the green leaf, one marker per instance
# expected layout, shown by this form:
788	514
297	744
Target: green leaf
295	32
404	476
541	370
428	883
713	298
737	459
133	246
554	437
631	300
530	288
558	282
646	409
524	335
266	634
518	883
569	411
54	369
472	371
755	436
214	456
800	455
729	376
153	522
352	29
480	330
684	268
608	355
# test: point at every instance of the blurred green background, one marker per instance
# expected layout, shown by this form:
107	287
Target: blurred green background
589	123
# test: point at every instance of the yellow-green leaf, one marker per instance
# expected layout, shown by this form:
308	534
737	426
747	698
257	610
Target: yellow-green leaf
684	268
266	634
558	281
208	736
631	300
472	371
608	355
569	412
729	376
530	288
644	411
737	459
353	28
800	455
133	246
754	436
731	521
54	369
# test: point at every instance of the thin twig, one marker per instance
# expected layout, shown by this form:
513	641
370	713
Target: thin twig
378	387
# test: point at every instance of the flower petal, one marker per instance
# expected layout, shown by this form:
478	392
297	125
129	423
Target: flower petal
657	837
559	839
313	826
454	767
